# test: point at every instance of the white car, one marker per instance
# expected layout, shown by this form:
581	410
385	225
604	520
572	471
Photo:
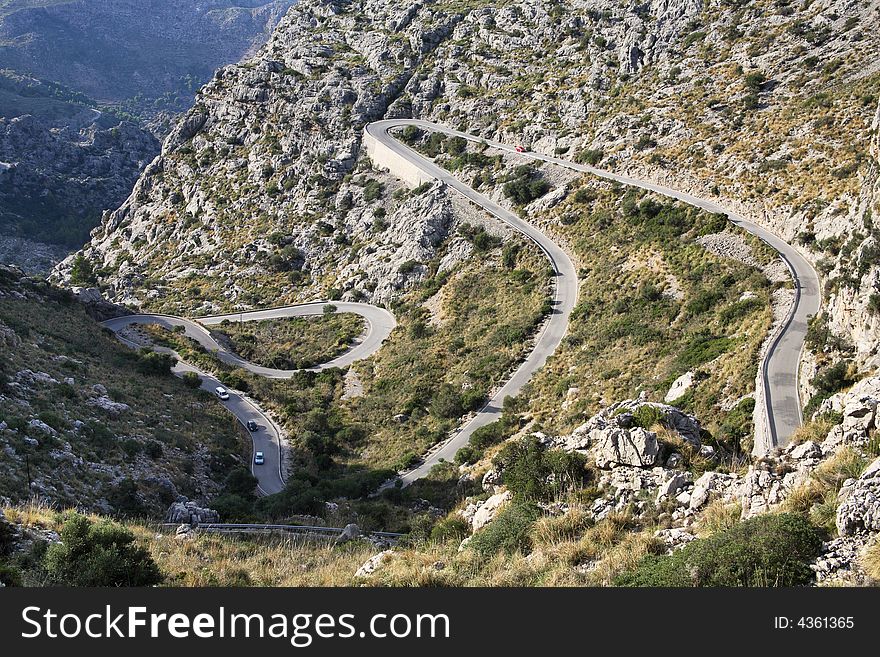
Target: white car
222	393
258	458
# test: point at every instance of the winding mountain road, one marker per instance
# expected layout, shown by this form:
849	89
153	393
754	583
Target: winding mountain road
267	438
781	413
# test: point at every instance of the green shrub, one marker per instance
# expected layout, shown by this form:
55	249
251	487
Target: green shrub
152	363
509	532
7	535
372	190
589	156
828	381
234	507
455	145
192	380
702	349
768	550
447	402
533	472
451	528
82	273
525	184
489	435
99	554
647	416
9	576
411	134
241	481
467	454
408	267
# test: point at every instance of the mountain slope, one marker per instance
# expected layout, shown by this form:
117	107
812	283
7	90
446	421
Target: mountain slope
128	51
746	101
85	89
76	428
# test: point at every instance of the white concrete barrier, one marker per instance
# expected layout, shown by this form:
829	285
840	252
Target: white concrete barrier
385	158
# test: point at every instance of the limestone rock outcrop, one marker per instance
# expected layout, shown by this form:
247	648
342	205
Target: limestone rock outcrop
859	509
186	512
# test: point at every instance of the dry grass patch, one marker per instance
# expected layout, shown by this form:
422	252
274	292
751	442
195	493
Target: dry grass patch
817	497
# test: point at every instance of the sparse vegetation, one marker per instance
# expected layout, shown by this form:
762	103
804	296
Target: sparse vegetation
769	550
294	342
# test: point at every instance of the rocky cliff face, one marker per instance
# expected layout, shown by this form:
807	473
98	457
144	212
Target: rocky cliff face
131	51
56	177
263	174
766	106
84	87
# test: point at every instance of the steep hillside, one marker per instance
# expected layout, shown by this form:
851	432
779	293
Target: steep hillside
77	430
133	53
766	105
264	195
86	90
62	164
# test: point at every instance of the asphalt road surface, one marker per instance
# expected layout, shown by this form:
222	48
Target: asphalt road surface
564	298
267	437
779	369
781	363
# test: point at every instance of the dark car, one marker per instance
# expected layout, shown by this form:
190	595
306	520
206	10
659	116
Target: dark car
252	426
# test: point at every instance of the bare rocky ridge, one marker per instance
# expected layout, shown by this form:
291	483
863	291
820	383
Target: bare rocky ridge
85	89
262	194
271	139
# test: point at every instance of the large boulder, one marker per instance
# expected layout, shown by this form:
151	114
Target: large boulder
767	484
190	513
859	509
615	436
372	564
349	533
858	410
619	446
489	509
713	485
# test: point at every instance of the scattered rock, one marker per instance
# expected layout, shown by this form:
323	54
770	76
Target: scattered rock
618	446
108	405
614	439
42	427
349	533
839	562
372	564
859	509
807	450
712	484
674	538
679	387
190	513
184	532
487	511
491	481
767	484
671	486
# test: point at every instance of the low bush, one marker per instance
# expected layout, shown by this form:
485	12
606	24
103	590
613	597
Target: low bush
525	184
769	550
450	528
152	363
533	472
508	533
7	535
648	416
828	381
192	380
99	554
